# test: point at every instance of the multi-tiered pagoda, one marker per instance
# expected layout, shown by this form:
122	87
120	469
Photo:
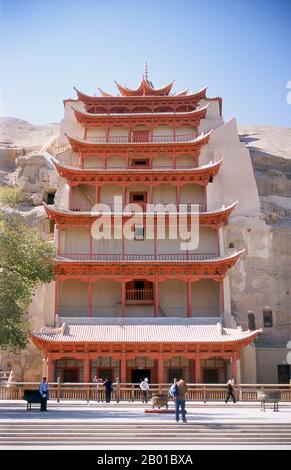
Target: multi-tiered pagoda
140	307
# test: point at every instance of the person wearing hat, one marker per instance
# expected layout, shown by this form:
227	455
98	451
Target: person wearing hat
144	386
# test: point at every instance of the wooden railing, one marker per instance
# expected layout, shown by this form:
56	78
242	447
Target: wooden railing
139	295
140	257
131	392
59	149
144	207
123	139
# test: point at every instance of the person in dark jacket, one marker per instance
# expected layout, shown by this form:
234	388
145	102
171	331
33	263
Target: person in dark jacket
179	393
43	391
108	389
230	390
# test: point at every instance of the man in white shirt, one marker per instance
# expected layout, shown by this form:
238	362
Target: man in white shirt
144	386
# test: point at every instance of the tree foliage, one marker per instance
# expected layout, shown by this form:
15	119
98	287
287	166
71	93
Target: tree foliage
26	260
10	196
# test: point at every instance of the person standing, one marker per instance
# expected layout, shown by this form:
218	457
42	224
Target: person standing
144	386
179	393
43	390
230	390
108	389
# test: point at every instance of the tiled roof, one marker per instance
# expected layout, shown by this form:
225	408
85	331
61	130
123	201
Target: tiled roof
183	331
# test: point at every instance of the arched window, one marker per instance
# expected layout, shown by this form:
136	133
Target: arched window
251	321
231	245
268	318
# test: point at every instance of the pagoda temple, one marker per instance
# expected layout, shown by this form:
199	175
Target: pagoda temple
141	305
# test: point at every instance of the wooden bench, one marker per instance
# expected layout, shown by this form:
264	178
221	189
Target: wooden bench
269	396
31	396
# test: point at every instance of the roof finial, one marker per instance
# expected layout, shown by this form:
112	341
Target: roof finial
145	75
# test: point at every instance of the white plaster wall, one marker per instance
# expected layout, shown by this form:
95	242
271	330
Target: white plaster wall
162	130
208	242
186	160
49	304
227	186
93	162
248	365
139	246
164	193
79	200
162	160
272	357
192	193
62	194
205	298
69	124
77	240
96	132
116	162
73	298
139	310
118	131
104	246
106	298
186	130
107	193
172	299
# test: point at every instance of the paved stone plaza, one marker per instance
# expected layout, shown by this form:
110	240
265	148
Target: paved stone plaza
126	426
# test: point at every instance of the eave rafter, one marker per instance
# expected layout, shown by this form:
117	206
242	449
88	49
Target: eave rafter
191	147
205	269
191	118
68	218
199	175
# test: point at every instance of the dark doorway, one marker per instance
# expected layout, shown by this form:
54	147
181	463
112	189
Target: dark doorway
71	375
284	373
175	374
105	373
211	376
50	199
137	375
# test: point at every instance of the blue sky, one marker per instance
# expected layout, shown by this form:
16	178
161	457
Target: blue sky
240	49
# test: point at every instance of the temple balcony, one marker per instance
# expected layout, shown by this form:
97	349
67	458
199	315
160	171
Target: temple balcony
165	257
139	138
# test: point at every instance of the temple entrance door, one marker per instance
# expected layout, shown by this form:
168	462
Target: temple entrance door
103	373
141	136
175	373
71	374
211	376
137	375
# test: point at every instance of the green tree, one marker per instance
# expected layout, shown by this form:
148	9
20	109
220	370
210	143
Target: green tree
26	260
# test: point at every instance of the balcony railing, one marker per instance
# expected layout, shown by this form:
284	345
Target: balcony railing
147	207
139	257
123	139
131	392
139	296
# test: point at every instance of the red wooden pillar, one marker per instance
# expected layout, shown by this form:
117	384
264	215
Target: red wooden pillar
221	292
90	241
123	298
59	239
122	239
86	369
49	368
161	368
155	234
57	287
97	194
205	197
123	196
178	194
156	299
189	298
69	197
90	298
234	357
123	368
197	369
